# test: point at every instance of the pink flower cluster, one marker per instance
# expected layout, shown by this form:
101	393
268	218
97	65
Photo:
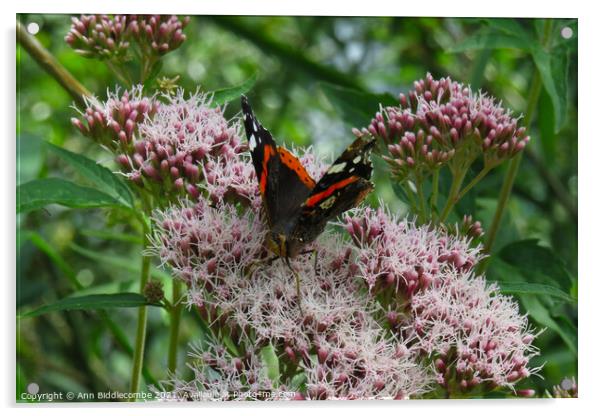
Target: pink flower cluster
220	376
476	336
472	335
114	123
109	37
172	144
402	258
441	121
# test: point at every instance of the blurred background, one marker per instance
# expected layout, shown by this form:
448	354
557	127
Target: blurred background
298	62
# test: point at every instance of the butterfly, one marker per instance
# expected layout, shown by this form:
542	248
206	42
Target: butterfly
297	207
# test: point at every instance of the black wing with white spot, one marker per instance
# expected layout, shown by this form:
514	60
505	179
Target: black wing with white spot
283	182
343	186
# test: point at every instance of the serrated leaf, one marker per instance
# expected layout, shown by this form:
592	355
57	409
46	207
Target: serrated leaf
534	289
102	178
222	96
41	192
357	107
272	364
92	302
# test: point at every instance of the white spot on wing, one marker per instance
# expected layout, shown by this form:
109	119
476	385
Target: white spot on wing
357	159
252	144
339	167
328	203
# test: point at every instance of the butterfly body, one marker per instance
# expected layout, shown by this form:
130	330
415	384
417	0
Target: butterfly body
296	206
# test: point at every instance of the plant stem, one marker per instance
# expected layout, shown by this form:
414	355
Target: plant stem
534	93
458	178
51	65
174	330
142	311
472	183
421	201
435	193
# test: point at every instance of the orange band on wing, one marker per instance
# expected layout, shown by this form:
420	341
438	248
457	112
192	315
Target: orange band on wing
295	165
329	191
268	153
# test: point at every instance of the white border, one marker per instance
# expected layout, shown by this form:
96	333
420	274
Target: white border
590	151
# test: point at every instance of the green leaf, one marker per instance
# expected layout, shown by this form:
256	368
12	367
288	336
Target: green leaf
357	107
222	96
41	192
270	359
553	69
102	178
298	382
546	123
103	301
509	27
537	264
534	289
492	39
540	313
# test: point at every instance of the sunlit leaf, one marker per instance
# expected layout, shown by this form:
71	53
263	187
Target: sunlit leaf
102	178
270	359
225	95
534	289
41	192
91	302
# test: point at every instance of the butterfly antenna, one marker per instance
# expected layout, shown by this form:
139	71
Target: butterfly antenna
298	283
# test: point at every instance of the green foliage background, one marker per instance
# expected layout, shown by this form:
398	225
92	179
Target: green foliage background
300	63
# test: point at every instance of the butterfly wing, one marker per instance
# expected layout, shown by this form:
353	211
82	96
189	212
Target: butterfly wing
284	183
343	186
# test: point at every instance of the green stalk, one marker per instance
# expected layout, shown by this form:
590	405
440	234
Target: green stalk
174	330
51	65
435	193
534	93
458	178
138	360
421	201
472	183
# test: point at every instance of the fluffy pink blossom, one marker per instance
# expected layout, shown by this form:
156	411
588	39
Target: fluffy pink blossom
424	320
170	144
399	256
220	376
475	335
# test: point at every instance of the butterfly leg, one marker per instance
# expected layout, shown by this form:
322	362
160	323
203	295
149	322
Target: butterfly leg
297	281
314	253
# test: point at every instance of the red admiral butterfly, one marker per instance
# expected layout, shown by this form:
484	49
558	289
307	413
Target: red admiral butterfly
298	208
